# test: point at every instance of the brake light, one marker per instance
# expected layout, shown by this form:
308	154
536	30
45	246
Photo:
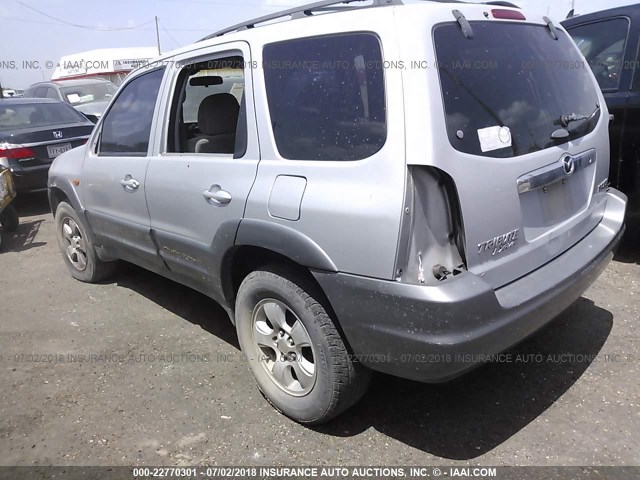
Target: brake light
507	14
15	152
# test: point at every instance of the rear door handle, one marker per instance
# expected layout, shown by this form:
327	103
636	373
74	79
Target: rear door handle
216	196
129	183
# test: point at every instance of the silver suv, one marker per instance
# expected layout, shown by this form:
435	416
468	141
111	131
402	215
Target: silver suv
402	188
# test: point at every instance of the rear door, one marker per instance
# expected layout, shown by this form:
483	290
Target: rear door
527	142
114	172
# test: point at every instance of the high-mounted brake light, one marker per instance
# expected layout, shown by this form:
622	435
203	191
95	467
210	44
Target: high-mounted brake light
507	14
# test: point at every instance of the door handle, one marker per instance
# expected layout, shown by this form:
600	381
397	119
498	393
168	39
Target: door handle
216	196
129	183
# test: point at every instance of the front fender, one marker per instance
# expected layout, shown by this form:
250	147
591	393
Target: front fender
60	189
63	173
64	184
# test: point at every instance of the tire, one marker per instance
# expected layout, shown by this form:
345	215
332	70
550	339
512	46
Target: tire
9	219
77	249
321	381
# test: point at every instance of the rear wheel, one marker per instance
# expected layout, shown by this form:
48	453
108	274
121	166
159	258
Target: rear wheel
296	354
77	250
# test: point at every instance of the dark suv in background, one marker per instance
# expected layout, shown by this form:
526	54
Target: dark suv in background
90	96
610	41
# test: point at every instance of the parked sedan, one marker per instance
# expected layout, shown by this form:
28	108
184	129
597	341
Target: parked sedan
33	132
90	96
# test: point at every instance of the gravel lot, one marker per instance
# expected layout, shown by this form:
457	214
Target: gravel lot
184	396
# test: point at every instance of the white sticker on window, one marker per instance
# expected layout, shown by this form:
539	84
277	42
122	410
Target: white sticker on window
494	138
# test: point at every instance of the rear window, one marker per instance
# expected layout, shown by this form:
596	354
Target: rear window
326	97
89	93
506	89
16	116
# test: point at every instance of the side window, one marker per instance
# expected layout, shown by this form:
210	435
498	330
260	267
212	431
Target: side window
127	125
41	92
208	109
326	96
51	93
602	44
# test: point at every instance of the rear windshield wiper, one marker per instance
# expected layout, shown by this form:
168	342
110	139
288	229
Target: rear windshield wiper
566	120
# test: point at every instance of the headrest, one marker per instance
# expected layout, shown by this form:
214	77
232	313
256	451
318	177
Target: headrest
218	114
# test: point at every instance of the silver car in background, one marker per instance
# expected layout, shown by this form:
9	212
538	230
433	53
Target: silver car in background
90	96
402	188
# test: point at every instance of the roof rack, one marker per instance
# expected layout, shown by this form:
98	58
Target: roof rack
330	6
301	12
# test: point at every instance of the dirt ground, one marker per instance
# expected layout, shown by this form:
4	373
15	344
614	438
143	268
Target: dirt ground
141	370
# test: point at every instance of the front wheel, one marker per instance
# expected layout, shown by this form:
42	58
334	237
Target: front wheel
9	219
77	249
296	354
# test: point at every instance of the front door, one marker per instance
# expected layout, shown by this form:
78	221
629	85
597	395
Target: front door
113	174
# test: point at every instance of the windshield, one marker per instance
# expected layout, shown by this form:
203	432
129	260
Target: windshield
506	90
88	93
32	115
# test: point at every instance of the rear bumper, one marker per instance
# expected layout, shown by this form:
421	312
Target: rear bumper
435	333
31	179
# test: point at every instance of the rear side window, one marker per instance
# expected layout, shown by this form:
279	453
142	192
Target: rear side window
32	115
507	89
326	97
127	125
602	44
89	92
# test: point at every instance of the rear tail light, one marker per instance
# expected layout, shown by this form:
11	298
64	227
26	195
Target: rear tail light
507	14
15	152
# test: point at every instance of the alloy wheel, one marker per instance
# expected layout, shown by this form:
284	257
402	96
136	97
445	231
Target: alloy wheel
284	347
76	248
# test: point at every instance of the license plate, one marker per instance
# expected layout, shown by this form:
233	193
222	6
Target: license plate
55	150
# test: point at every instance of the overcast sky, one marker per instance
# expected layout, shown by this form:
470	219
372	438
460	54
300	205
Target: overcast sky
29	35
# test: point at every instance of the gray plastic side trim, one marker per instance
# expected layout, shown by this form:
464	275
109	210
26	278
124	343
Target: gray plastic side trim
285	241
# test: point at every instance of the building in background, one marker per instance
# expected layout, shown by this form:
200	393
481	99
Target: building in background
107	63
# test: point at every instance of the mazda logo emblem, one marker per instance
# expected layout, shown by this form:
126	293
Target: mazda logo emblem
568	165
